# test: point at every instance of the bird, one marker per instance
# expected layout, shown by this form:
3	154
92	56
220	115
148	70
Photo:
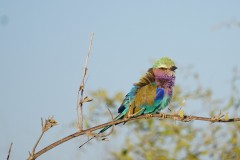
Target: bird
151	94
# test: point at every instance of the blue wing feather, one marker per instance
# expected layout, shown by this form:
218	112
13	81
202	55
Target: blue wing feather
128	100
122	110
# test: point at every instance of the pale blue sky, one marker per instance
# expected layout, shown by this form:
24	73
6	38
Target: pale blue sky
43	45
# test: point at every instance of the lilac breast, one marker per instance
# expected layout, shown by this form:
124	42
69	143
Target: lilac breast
164	79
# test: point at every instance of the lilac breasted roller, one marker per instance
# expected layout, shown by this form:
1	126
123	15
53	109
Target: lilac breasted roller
151	94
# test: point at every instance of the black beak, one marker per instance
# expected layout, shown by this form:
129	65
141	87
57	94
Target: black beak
173	68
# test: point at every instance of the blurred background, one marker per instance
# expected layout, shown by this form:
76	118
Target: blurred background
43	45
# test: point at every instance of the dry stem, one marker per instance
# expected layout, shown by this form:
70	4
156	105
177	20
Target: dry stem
81	89
9	151
35	146
46	125
176	117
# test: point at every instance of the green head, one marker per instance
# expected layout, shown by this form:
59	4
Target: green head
165	63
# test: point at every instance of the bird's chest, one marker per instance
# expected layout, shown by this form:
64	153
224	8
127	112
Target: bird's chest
161	83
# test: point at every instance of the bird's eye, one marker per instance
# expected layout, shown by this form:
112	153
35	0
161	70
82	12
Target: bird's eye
162	68
173	68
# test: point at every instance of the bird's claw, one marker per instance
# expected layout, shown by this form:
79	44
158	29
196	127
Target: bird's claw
148	116
162	116
130	115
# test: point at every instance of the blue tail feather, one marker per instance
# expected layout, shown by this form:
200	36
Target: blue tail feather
106	128
124	106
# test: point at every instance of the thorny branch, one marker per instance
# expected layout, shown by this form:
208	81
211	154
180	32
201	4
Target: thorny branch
50	122
185	118
81	90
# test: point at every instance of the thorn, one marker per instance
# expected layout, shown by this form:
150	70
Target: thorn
81	87
86	99
42	121
217	118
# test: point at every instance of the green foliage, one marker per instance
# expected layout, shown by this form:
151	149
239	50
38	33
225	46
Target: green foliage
154	139
102	97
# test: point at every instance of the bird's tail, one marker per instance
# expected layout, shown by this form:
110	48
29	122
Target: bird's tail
87	141
102	130
106	128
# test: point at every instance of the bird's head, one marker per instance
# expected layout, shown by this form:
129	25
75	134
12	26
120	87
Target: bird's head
164	68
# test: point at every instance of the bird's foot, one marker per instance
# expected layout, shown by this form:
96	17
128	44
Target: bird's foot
131	116
126	118
162	116
148	116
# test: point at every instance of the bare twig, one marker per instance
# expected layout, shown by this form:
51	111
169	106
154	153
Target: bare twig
46	125
9	151
81	89
35	146
176	117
